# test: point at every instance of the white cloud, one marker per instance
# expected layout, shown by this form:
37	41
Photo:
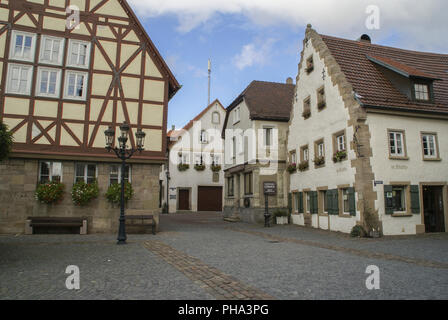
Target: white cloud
253	54
416	21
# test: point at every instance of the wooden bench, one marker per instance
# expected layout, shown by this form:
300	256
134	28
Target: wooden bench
56	222
143	219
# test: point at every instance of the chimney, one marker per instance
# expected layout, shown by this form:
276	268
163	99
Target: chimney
289	81
365	38
173	127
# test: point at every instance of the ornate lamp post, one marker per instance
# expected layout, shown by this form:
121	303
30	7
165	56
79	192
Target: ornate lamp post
124	154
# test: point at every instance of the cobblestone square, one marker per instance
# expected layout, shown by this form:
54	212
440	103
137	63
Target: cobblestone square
199	256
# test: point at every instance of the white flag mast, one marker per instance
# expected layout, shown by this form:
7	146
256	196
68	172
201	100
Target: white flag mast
209	76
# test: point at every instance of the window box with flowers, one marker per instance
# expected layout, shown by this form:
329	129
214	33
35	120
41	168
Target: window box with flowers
183	167
50	193
199	167
319	161
321	105
83	192
303	166
113	194
215	167
306	114
292	167
340	156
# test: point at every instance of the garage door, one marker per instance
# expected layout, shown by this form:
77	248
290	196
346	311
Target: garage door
209	198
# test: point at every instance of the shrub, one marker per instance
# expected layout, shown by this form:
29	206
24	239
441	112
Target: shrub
199	167
83	192
50	192
6	140
339	156
304	165
280	213
292	168
113	194
358	232
318	161
183	167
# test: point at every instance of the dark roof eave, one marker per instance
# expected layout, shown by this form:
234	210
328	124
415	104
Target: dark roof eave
367	106
267	118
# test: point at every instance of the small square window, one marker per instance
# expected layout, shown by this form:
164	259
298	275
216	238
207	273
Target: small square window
396	144
430	147
85	172
51	51
75	85
115	174
79	54
421	91
50	171
23	45
48	82
19	79
399	198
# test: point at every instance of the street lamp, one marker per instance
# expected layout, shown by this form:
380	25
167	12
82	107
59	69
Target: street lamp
124	154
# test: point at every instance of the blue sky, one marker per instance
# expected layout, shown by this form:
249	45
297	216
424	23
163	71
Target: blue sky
262	40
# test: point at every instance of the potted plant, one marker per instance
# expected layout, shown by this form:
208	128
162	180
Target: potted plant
321	105
183	166
281	216
292	168
306	114
215	167
303	166
318	161
113	194
83	192
199	167
49	193
340	156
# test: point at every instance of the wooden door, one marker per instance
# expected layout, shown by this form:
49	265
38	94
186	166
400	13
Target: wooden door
209	198
433	209
184	199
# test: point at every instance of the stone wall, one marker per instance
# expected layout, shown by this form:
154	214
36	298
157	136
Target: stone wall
18	180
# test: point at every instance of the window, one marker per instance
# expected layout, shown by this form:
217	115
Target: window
51	50
203	136
22	46
85	172
297	202
308	202
233	147
216	159
267	137
396	144
48	82
115	174
309	65
430	147
421	91
340	142
248	189
236	115
230	190
19	79
75	85
399	198
321	103
184	158
321	149
198	159
293	157
345	201
307	108
50	171
324	202
304	154
216	118
78	55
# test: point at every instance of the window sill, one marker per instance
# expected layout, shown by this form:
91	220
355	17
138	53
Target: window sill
432	159
345	215
401	214
323	214
398	158
319	166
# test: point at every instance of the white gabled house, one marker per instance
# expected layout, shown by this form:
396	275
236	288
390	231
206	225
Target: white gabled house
368	131
195	160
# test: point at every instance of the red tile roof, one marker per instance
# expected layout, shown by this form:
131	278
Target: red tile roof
374	88
400	67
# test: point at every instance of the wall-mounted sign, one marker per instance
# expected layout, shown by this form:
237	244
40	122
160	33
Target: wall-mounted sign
377	182
270	188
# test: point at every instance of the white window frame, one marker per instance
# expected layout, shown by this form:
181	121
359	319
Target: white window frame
51	165
236	115
340	141
395	140
216	159
421	91
308	202
198	159
404	199
268	132
119	173
345	201
85	170
428	142
12	55
42	50
29	78
69	54
203	136
218	120
86	81
306	154
58	83
321	149
294	157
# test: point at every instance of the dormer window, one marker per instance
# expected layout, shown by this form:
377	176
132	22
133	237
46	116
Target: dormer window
421	91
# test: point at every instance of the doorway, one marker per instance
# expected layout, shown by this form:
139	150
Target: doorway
433	209
184	199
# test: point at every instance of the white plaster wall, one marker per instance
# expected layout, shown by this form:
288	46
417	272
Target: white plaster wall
323	124
323	222
414	170
298	219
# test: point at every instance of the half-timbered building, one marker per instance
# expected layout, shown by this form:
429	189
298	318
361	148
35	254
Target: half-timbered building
66	76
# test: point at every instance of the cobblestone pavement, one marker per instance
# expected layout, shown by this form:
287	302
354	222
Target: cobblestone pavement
199	256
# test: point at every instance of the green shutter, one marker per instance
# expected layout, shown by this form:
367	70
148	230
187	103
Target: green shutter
290	203
329	196
352	201
300	202
388	202
415	199
314	206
